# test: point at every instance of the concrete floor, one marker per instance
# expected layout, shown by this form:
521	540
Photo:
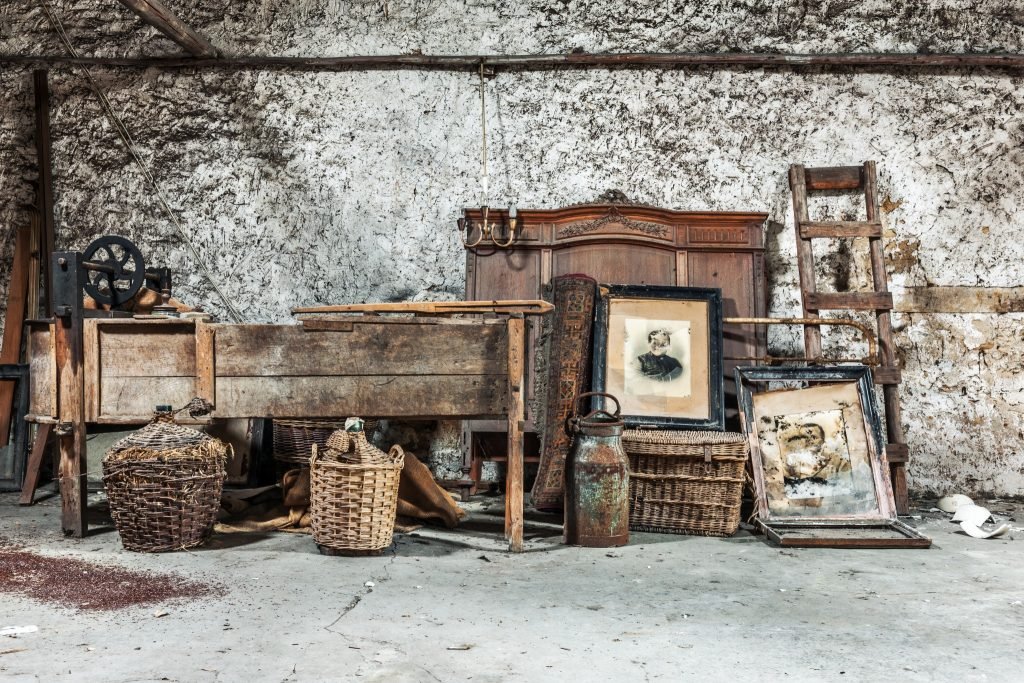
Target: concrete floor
452	606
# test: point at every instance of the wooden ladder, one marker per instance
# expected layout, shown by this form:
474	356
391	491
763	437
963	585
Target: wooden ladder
864	178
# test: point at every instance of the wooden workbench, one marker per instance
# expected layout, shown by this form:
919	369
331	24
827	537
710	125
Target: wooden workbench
115	371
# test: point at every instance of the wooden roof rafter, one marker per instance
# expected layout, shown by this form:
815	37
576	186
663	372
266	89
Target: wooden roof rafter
157	15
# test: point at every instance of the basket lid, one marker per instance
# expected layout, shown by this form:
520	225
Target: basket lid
353	448
678	437
161	434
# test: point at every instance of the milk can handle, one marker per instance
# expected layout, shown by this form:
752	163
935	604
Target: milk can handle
572	423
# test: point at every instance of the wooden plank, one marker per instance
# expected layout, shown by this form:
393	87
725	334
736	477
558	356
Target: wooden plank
833	178
14	321
34	267
836	229
137	397
894	536
346	323
897	452
141	350
206	382
91	382
854	301
516	413
44	197
43	391
682	269
35	465
409	396
157	15
961	300
805	259
368	349
900	491
524	306
884	375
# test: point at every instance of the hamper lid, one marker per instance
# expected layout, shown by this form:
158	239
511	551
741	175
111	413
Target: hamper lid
678	437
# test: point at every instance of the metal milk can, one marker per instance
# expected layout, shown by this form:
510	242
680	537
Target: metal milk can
596	479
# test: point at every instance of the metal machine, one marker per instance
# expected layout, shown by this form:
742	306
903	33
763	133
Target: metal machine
111	271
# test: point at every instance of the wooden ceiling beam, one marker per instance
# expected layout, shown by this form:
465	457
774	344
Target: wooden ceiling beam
157	15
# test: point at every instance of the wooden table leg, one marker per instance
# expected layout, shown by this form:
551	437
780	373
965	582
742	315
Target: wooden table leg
35	465
516	417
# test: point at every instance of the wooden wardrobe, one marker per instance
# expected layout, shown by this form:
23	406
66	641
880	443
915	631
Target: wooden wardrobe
622	244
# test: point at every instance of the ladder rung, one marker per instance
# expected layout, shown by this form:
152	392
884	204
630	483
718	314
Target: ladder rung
854	301
886	375
816	229
833	178
897	452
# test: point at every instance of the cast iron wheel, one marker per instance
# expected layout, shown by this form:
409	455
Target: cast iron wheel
129	270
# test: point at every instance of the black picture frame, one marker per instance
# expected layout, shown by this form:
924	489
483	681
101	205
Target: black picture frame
711	394
876	528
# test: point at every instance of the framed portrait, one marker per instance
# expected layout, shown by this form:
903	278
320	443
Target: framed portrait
820	473
659	351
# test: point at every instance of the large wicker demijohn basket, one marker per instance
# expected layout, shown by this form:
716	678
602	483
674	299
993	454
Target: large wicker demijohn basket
164	484
354	494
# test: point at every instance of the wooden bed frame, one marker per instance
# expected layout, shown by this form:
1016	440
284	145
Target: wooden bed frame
96	370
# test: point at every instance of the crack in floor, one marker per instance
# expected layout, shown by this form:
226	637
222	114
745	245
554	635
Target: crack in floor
367	589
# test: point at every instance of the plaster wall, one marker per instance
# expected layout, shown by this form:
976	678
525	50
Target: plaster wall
302	188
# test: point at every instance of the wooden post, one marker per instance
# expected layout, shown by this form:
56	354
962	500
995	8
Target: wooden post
14	323
35	464
160	17
206	387
44	197
890	392
516	416
69	352
34	268
805	262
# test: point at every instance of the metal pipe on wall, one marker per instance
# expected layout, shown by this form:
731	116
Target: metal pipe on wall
866	60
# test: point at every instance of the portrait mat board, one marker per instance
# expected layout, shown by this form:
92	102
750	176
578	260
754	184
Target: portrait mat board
687	322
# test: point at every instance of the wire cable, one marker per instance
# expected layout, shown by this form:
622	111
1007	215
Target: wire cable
126	137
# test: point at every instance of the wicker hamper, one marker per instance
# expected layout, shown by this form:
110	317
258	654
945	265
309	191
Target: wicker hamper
354	494
685	482
164	483
294	439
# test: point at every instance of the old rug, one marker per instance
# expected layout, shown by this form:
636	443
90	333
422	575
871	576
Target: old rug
568	374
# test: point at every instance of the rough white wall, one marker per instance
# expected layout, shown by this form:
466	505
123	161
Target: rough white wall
334	187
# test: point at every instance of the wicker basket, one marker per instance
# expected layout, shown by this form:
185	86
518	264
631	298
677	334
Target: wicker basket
294	439
164	484
685	482
354	494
